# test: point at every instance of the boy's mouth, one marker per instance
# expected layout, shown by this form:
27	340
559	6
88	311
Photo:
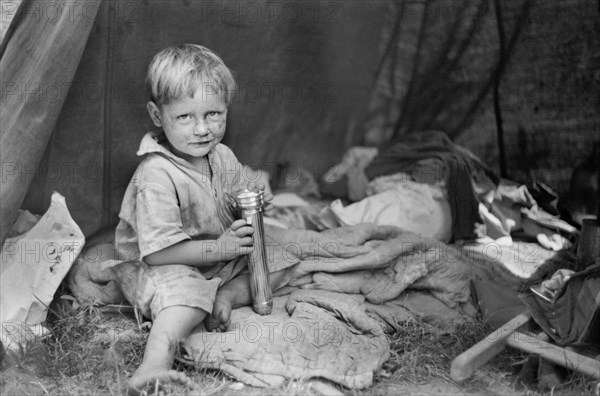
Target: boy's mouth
201	144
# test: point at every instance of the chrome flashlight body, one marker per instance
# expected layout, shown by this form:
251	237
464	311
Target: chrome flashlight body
251	204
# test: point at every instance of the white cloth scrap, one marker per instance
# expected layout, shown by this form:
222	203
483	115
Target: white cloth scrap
33	265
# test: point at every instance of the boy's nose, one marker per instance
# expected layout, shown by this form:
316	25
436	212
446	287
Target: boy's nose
201	129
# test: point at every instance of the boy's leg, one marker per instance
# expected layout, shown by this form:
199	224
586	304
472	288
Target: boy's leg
234	294
171	325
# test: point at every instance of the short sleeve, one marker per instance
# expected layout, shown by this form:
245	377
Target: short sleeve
158	219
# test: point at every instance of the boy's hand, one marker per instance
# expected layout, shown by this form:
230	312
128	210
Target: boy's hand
236	240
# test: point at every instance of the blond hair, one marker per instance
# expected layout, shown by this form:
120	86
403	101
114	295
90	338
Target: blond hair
183	69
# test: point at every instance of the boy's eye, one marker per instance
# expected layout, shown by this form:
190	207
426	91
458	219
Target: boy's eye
213	114
184	117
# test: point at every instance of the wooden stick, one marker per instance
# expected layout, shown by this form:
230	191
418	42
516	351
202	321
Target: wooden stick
469	361
564	357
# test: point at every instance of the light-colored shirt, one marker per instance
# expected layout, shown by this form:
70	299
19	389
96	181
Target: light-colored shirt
169	200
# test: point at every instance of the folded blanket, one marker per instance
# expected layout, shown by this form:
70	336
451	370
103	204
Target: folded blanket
379	262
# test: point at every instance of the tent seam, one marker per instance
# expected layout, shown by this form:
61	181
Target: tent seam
107	141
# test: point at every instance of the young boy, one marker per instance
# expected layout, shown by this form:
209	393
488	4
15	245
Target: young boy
175	218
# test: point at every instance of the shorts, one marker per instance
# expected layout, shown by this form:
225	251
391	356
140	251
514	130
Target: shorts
162	286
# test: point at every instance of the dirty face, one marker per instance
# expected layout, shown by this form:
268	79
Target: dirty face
193	125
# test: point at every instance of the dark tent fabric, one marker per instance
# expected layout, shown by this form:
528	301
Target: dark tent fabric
440	62
36	64
315	78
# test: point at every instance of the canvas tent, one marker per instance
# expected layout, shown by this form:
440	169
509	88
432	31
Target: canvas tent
315	78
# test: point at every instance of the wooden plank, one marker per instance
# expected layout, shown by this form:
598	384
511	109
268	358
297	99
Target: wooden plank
555	354
469	361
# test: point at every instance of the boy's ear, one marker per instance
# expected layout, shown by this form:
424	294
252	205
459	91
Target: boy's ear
154	113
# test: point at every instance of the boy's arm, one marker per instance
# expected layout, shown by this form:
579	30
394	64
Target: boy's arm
235	241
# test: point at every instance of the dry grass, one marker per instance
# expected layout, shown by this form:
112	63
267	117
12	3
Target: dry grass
79	357
422	355
93	353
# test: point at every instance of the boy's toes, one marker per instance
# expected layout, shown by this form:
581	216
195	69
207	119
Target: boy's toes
211	323
223	314
180	378
153	382
176	376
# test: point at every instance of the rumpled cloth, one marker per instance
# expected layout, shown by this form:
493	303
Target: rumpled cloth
396	200
501	208
381	251
511	207
451	163
308	334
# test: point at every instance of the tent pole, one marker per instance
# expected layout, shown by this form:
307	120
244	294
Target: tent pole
496	92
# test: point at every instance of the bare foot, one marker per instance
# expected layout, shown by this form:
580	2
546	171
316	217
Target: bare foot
150	380
221	314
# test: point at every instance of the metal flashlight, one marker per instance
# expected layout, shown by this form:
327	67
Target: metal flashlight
251	203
